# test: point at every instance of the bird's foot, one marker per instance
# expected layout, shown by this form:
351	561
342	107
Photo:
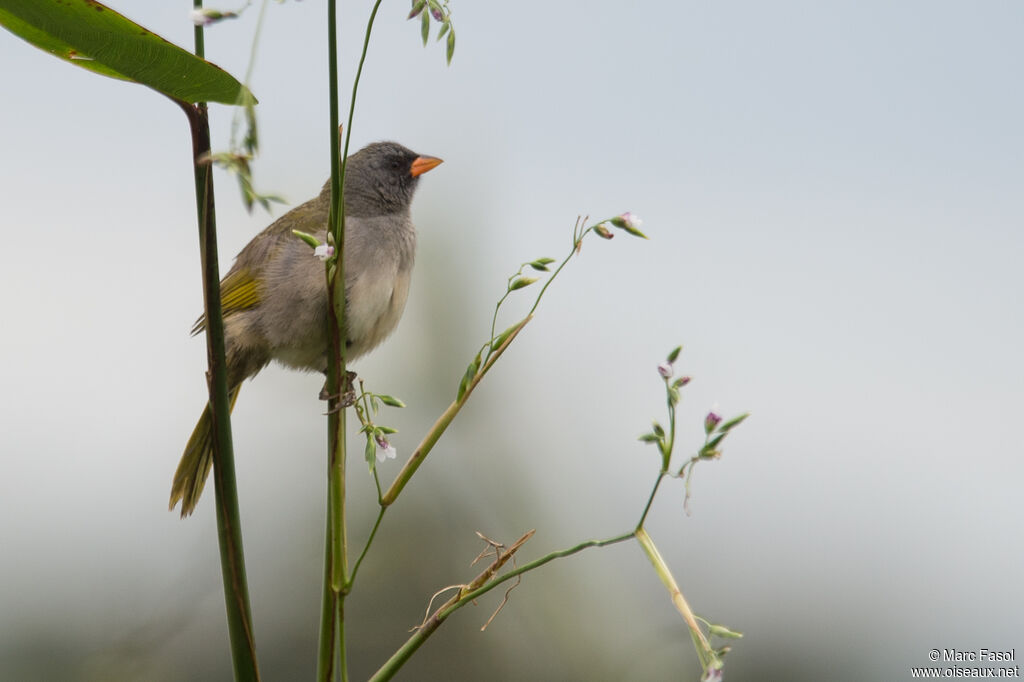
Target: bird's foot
343	399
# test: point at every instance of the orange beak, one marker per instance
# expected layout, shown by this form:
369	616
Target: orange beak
424	163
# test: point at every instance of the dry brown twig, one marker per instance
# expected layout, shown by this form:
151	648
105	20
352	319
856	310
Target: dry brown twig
500	559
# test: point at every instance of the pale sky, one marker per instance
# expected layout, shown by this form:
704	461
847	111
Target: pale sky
833	196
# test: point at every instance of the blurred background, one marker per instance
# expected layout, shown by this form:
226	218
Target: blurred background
833	193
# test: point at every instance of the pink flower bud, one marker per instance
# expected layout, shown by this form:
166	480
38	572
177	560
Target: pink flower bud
711	421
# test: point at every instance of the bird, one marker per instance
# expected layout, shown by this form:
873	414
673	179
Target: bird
274	297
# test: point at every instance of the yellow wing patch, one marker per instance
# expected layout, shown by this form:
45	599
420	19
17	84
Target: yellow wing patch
238	291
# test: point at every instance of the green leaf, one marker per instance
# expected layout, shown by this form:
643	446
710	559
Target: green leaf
444	29
658	431
722	631
425	27
386	430
635	232
650	438
391	401
520	282
713	443
451	46
674	355
468	376
500	338
95	37
710	449
417	7
371	451
735	421
545	261
537	265
306	237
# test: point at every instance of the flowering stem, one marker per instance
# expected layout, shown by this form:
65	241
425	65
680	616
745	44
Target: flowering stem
576	243
442	423
464	597
369	541
229	529
650	500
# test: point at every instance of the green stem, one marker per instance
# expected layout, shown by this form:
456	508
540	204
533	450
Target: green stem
575	247
331	640
650	500
442	423
332	626
398	659
229	528
340	235
362	555
328	617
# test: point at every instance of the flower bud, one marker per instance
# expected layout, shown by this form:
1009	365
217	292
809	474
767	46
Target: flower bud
205	17
711	421
416	9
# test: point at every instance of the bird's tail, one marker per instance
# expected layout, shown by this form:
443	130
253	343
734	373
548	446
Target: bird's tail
196	461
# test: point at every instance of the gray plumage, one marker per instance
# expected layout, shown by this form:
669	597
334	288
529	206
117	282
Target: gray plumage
275	296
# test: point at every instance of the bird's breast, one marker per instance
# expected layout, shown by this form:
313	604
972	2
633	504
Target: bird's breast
376	300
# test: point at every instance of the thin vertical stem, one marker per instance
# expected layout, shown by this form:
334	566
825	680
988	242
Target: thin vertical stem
650	500
328	617
335	559
229	529
332	627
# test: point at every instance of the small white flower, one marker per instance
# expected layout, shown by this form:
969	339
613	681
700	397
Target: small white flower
385	450
205	17
324	251
199	17
631	221
665	370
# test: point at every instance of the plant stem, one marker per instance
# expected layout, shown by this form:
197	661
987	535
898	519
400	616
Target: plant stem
398	659
229	528
331	643
442	423
328	617
575	248
352	103
705	653
332	625
362	555
650	500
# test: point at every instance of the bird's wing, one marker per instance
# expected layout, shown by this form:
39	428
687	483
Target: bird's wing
238	291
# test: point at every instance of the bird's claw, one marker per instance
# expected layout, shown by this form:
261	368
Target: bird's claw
346	398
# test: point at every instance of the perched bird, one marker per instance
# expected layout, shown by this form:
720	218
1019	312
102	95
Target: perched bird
274	298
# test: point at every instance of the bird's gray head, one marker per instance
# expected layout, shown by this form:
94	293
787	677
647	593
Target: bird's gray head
381	178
